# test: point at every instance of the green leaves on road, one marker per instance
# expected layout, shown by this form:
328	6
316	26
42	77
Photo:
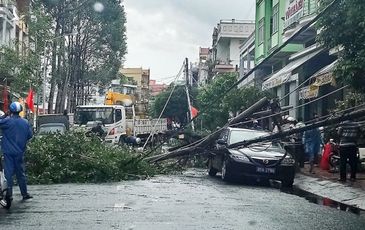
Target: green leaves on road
75	158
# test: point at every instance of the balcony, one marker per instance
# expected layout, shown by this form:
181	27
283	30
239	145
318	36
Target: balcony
7	9
235	29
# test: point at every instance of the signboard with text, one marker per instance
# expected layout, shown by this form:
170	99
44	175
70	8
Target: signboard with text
294	12
308	92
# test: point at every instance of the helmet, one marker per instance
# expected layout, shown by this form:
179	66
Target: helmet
16	107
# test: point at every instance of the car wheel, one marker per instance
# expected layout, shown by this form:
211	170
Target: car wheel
226	176
212	171
287	183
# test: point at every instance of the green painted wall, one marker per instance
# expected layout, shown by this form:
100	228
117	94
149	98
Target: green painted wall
260	13
264	10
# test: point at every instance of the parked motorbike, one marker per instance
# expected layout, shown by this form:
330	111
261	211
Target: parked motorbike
334	157
5	201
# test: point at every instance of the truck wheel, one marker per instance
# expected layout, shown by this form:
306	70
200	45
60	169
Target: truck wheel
121	141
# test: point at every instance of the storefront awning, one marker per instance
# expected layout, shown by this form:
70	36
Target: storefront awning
285	74
322	77
325	75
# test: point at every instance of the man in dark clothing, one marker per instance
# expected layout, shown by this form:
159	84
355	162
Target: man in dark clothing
16	133
348	133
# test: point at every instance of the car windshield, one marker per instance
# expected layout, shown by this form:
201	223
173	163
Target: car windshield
242	135
51	129
85	115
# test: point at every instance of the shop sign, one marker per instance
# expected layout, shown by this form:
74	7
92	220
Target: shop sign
272	83
324	79
308	92
294	12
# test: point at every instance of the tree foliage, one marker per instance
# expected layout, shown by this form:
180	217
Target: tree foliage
344	27
86	46
217	109
20	71
177	108
75	158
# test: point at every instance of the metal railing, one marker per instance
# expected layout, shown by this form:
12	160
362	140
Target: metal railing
7	3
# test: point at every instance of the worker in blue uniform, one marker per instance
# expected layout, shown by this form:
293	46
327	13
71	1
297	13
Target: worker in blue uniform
16	133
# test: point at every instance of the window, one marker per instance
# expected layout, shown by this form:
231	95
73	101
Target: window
275	19
118	115
261	31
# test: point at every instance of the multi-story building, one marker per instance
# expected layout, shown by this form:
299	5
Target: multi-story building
203	66
287	56
156	88
228	36
13	32
247	62
13	28
141	77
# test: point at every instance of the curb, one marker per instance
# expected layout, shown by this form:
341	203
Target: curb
331	191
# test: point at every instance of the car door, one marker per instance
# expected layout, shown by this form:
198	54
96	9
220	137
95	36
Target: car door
219	150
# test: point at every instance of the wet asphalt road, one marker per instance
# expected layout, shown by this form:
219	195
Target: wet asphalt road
189	201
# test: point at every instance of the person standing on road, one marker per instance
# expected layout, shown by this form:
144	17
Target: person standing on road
348	133
16	133
312	142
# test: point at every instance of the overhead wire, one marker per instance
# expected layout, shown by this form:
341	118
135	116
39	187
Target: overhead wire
299	106
164	108
330	5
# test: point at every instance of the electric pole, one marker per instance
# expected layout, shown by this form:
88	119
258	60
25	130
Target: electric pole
187	91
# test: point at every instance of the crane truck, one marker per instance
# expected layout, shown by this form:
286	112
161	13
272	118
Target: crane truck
119	120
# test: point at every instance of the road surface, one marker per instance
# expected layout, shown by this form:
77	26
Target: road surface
189	201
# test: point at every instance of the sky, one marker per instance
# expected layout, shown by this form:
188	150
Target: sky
161	33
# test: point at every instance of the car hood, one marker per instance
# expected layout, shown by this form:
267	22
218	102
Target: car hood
259	152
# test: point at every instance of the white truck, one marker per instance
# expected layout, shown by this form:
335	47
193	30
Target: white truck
119	122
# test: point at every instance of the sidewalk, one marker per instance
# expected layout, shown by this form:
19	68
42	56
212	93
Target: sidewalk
324	184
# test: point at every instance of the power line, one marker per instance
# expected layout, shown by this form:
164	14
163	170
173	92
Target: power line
297	107
163	110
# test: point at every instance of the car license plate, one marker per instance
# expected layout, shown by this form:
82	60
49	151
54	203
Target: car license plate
265	170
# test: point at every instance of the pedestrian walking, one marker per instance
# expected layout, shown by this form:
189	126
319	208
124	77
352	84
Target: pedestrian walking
348	132
312	142
16	133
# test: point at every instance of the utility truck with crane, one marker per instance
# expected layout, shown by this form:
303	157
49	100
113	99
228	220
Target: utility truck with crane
118	119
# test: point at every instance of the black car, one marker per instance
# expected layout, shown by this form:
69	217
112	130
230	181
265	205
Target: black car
258	161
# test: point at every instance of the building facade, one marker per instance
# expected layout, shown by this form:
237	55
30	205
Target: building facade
141	78
228	36
13	28
203	66
288	61
156	88
13	34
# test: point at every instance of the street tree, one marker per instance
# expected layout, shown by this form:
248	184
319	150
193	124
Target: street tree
177	107
87	47
217	106
343	27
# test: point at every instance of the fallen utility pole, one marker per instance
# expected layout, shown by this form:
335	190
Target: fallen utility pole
269	112
208	140
279	135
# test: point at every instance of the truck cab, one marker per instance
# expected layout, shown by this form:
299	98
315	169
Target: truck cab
112	117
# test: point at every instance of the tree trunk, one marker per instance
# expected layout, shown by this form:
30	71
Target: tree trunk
54	67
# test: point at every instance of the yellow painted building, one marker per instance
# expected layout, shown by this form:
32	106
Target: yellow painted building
142	78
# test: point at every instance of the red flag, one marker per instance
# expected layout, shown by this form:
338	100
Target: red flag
194	111
30	100
5	98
